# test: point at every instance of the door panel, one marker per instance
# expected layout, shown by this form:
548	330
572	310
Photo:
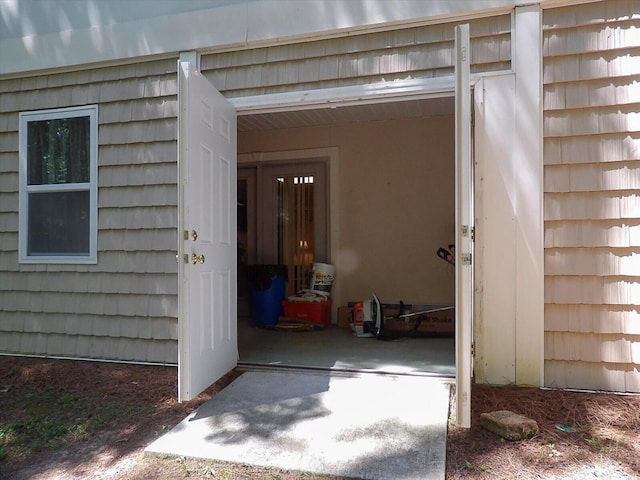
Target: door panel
463	227
207	298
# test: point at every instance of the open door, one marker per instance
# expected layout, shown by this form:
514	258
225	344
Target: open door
464	228
207	251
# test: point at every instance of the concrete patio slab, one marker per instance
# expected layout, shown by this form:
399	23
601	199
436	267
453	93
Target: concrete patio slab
368	426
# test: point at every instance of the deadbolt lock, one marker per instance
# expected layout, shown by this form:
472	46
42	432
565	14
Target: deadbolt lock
197	258
194	235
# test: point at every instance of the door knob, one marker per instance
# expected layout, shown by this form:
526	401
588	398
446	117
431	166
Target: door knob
197	258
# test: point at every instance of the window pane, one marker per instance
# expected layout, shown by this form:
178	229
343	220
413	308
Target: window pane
58	151
59	223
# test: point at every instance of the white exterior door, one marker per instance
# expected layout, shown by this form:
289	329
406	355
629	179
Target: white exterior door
207	297
464	226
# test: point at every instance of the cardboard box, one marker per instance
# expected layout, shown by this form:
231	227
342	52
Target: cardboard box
440	323
344	317
317	312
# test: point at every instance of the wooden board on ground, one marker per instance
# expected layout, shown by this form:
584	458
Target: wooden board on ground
295	325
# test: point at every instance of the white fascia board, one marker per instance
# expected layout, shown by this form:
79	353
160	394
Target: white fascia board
121	42
240	24
413	89
290	18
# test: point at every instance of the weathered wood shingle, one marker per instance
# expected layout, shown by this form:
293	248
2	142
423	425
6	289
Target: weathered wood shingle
418	52
592	196
125	307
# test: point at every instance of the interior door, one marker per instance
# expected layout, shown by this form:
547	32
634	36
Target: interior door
294	224
207	296
463	228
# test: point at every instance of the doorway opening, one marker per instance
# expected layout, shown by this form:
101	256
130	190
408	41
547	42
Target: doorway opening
390	209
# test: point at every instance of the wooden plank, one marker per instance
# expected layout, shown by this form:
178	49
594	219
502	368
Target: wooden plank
139	217
590	14
138	240
590	66
592	177
622	319
622	262
590	233
593	376
593	93
591	290
591	205
138	153
594	37
147	175
161	130
137	196
602	120
592	149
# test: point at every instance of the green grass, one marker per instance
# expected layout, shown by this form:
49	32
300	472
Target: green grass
34	421
603	446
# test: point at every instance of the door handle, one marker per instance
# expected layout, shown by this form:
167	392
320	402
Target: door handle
197	258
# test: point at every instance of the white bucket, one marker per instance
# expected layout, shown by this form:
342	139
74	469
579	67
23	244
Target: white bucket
322	277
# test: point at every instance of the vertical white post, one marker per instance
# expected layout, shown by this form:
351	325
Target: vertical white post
464	220
529	192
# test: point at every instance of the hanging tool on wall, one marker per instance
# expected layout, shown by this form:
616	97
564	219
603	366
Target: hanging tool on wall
448	255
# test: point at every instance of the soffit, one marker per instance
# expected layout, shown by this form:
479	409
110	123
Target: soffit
345	114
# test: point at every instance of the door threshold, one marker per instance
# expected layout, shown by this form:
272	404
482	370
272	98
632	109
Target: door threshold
249	366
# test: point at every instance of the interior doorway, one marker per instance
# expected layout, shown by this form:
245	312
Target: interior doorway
282	220
391	210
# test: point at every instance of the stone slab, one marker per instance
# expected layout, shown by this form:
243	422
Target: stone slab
509	425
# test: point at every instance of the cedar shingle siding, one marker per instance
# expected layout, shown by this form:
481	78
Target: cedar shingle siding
418	52
592	196
125	307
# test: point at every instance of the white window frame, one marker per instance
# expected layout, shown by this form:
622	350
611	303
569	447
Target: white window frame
90	111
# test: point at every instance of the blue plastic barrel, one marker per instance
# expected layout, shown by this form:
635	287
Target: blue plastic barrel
266	292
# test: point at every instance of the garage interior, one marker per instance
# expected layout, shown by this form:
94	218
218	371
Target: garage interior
396	208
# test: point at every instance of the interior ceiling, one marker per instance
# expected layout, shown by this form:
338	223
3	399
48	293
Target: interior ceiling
340	115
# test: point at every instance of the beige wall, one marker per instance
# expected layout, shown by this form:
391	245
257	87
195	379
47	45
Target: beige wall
125	307
396	202
592	207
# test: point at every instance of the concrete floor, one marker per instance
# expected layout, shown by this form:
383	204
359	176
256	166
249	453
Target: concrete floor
338	349
336	415
365	426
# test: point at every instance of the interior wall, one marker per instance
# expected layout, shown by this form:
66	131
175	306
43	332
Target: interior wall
396	204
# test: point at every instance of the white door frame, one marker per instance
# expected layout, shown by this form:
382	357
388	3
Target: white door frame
383	93
463	228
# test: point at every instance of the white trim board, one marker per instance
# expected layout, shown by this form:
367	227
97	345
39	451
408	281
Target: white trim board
380	92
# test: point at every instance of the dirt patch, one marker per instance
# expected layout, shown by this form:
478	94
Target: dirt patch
72	419
582	435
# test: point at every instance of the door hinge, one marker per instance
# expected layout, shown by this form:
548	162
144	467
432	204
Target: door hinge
185	258
468	232
473	349
466	259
